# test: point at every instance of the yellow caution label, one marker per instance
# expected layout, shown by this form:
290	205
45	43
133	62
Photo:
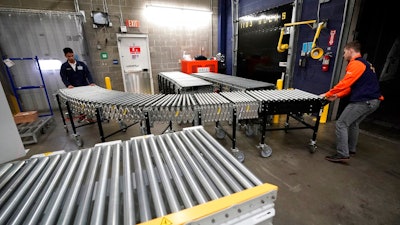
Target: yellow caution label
177	113
165	221
203	210
247	108
125	111
219	110
47	153
324	114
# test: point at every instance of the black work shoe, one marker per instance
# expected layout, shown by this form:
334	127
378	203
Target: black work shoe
337	158
352	153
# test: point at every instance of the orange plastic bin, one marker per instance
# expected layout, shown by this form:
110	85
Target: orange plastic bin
199	66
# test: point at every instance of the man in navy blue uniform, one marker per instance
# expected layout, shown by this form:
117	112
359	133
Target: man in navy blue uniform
75	73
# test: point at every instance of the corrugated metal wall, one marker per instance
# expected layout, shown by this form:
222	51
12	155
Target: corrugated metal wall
31	33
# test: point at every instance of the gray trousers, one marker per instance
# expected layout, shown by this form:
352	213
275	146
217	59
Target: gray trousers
347	126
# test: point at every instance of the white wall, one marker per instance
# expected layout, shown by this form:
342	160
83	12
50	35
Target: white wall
11	146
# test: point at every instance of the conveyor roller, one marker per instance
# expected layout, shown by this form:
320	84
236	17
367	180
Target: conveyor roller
185	177
180	83
196	107
226	83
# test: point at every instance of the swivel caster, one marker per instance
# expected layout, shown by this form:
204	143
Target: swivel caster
78	140
266	151
143	130
239	155
169	131
312	146
249	131
220	133
286	127
123	126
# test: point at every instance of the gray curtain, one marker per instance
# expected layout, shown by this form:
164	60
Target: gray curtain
41	34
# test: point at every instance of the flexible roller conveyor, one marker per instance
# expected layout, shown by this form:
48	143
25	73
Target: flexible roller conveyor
179	83
185	177
292	102
223	82
213	107
247	108
197	108
173	107
244	107
103	104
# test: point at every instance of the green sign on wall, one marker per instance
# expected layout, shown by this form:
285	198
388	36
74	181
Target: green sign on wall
104	55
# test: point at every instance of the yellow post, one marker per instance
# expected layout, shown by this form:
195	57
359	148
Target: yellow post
108	83
324	114
279	86
13	104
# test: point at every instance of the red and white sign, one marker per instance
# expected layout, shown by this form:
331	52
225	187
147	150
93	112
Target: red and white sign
132	23
134	50
332	38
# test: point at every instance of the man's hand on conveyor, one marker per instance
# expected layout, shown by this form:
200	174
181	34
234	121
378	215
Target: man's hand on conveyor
330	98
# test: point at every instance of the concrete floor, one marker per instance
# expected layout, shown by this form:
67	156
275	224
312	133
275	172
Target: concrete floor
311	190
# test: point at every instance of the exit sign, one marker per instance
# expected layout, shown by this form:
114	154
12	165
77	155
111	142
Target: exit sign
132	23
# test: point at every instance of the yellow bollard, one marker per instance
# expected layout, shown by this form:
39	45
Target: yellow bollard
108	83
14	104
279	86
324	114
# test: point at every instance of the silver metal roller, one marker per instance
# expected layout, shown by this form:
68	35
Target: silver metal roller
283	95
187	107
184	83
130	182
233	83
246	105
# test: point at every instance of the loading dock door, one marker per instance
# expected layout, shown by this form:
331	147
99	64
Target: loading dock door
134	55
258	36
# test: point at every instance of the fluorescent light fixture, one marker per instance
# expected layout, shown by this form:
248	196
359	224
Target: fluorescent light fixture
178	8
177	16
49	64
262	17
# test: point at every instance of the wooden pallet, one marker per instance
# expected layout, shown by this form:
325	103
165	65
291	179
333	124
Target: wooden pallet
30	132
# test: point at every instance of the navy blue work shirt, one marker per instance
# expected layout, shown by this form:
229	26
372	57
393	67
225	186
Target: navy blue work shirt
81	76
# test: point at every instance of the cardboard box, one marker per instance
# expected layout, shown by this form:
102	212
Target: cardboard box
26	117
